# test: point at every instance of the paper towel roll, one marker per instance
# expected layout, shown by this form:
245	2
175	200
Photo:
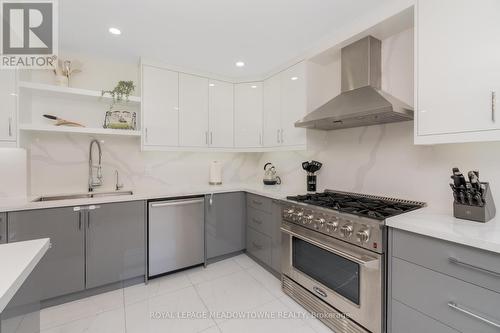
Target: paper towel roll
215	173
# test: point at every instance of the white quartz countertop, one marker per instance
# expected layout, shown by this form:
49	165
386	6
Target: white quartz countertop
18	261
484	236
274	192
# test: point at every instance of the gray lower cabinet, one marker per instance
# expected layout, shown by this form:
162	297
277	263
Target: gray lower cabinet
263	230
115	243
407	320
224	223
62	270
91	245
439	286
3	228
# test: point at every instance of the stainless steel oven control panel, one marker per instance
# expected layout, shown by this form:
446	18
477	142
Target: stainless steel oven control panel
360	231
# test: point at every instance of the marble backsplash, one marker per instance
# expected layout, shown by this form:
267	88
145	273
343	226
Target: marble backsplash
59	164
383	160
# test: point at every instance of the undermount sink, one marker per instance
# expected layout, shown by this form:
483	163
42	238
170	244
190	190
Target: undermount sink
83	196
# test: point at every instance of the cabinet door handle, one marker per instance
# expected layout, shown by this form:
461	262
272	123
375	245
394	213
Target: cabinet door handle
146	135
79	220
211	138
206	138
211	201
493	105
176	203
278	136
281	135
468	312
10	126
257	246
476	268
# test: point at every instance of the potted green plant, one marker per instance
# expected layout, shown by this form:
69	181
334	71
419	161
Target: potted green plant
122	89
119	116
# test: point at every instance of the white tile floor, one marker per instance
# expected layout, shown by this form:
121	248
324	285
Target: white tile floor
234	285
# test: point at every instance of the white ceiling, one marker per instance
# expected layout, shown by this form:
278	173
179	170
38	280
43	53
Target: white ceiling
205	35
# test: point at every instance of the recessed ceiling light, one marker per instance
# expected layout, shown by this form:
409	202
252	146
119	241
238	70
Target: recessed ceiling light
294	78
240	64
253	87
115	31
211	84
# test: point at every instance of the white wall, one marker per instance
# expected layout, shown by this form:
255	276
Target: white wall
382	159
376	159
59	162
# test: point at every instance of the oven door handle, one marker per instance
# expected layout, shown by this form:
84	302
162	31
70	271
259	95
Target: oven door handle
372	263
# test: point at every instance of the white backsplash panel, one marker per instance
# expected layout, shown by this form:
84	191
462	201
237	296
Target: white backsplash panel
13	182
59	164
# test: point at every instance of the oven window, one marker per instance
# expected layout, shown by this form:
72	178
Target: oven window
335	272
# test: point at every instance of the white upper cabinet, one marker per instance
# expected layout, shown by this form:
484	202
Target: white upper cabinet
193	111
8	101
160	107
248	107
272	111
285	102
221	114
188	112
293	104
458	71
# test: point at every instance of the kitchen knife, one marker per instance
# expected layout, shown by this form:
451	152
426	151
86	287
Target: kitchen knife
62	122
474	181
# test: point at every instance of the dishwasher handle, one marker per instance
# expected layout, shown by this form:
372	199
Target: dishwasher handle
176	203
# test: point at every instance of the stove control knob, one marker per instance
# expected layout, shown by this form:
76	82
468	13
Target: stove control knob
363	235
289	212
309	218
346	230
333	226
320	221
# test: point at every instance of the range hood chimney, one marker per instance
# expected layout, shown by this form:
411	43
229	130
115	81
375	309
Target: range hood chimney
361	101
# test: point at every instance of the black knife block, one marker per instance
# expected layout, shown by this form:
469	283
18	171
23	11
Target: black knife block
477	213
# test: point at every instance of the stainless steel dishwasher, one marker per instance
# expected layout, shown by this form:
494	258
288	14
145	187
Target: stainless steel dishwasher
176	234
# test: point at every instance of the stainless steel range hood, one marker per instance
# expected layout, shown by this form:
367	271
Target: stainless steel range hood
361	102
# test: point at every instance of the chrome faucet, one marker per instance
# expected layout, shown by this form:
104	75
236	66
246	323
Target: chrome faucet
95	171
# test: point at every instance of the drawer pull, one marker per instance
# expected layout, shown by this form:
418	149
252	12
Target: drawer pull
256	221
258	203
257	246
480	269
463	310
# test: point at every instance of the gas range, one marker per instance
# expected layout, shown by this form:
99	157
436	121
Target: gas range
352	217
333	256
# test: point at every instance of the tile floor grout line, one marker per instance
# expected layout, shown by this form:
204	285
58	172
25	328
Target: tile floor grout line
218	277
207	309
124	310
156	295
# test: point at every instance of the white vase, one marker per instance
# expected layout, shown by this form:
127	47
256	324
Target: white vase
62	81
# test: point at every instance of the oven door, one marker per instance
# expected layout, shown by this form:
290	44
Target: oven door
347	277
